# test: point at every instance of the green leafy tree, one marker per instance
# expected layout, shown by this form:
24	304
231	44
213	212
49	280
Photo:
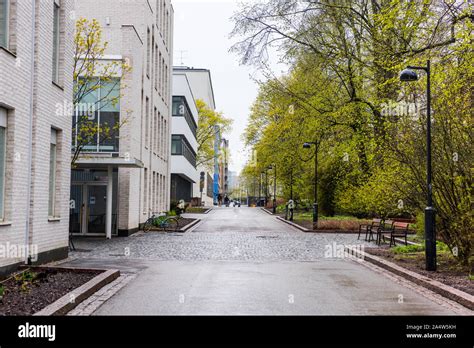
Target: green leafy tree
345	59
208	120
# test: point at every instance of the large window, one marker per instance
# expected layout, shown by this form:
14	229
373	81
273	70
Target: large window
3	144
52	173
181	109
4	22
56	41
99	110
181	147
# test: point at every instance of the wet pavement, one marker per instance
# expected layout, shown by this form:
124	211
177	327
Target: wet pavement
244	261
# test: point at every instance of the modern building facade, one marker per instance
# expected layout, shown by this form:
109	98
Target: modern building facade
36	51
118	184
200	82
184	174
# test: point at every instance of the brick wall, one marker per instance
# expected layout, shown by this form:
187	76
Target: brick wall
127	35
15	78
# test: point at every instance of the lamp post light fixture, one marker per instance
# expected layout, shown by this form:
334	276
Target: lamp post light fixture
316	181
409	75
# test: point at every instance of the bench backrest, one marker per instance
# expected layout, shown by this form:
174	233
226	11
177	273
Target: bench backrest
376	222
401	226
389	224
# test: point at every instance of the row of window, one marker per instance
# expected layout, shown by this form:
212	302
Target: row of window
181	147
156	67
157	189
181	109
156	132
7	23
163	20
53	160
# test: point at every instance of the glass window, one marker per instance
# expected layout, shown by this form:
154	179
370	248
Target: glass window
176	145
56	43
99	109
4	14
52	173
181	147
3	145
181	108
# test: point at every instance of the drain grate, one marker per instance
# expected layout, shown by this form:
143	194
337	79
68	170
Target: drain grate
268	237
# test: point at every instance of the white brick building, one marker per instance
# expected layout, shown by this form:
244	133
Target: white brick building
36	49
134	168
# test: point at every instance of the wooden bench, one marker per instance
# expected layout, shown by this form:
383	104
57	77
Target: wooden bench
397	230
369	228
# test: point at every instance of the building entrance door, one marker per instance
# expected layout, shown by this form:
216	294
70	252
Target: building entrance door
97	208
88	208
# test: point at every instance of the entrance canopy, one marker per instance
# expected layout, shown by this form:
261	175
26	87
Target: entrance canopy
105	163
93	205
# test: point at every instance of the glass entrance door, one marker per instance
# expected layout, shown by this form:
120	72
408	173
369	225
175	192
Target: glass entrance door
97	208
76	209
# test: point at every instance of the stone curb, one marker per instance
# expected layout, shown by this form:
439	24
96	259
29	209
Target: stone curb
267	211
301	228
64	304
190	225
408	242
444	290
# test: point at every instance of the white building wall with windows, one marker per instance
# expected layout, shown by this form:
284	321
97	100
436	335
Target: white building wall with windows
184	124
200	82
35	129
141	33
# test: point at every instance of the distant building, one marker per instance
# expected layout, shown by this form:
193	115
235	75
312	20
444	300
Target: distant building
233	181
200	83
224	168
36	57
184	175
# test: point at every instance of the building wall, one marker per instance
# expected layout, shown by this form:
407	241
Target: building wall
50	101
130	29
200	82
179	164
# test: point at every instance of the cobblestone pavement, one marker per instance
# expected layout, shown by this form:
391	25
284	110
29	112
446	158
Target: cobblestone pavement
244	261
225	234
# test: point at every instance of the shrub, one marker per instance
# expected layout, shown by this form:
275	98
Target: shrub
408	249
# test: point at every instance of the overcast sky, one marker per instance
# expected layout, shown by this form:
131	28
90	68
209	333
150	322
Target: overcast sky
201	29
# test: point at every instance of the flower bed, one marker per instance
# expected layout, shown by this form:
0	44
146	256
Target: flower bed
32	290
449	271
182	222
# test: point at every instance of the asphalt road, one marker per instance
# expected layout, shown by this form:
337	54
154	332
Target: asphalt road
244	262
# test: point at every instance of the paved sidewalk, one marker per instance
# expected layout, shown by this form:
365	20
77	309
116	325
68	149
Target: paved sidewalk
244	261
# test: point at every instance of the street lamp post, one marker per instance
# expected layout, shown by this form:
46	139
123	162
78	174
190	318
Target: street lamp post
409	75
266	188
316	179
274	167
